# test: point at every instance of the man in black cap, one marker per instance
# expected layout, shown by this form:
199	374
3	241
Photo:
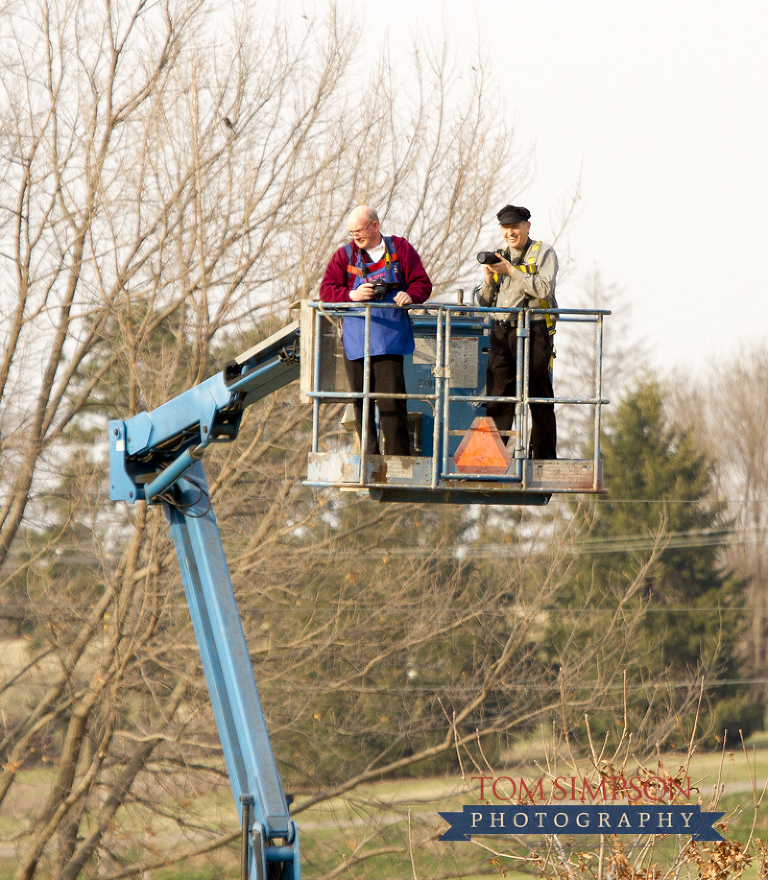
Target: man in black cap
524	277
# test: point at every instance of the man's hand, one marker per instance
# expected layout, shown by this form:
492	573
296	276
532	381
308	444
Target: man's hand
503	267
362	293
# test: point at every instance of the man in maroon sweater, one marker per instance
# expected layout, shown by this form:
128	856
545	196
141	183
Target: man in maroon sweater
386	269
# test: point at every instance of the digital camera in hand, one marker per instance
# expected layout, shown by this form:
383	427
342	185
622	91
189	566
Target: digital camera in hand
487	258
382	288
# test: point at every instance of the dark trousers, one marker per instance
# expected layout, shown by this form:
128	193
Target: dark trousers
387	377
501	380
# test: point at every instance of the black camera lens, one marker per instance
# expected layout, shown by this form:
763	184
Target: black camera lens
487	258
381	289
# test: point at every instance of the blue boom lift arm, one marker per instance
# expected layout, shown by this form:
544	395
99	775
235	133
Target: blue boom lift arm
148	452
155	457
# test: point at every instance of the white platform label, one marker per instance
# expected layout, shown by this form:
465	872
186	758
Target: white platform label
463	359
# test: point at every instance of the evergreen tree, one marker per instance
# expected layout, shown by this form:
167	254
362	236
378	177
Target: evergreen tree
652	546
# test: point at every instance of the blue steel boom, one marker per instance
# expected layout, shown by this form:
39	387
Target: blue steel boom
151	450
156	457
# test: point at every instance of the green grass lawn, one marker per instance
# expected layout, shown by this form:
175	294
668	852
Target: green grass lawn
390	830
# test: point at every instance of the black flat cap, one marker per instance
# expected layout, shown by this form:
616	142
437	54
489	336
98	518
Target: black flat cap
511	214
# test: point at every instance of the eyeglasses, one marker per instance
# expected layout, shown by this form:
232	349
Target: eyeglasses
355	233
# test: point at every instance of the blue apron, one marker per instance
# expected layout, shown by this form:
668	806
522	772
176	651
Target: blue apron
391	330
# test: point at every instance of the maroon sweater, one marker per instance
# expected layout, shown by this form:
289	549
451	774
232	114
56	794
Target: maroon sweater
337	282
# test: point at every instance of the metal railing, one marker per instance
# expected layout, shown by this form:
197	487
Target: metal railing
441	321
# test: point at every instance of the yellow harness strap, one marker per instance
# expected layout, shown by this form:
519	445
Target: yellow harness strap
529	266
530	269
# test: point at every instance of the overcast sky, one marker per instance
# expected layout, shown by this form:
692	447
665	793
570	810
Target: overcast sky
659	110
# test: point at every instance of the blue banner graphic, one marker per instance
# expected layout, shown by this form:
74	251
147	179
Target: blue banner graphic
483	819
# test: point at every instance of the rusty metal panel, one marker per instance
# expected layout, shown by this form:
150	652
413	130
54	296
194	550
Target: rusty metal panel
569	475
343	468
333	468
406	470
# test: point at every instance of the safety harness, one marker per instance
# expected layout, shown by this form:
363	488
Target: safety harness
527	265
391	261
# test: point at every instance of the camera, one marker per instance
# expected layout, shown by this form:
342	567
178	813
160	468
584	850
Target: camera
487	258
382	288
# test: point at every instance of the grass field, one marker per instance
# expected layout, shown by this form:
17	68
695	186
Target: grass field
391	830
